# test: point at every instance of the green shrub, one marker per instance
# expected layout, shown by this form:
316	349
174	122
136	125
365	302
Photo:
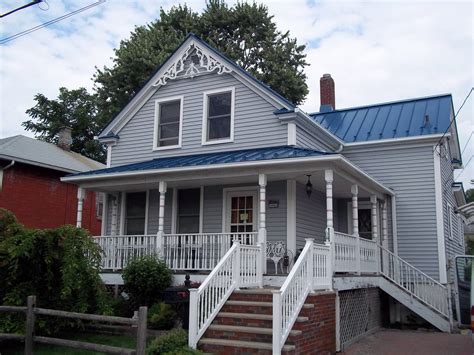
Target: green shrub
59	266
146	279
161	316
173	343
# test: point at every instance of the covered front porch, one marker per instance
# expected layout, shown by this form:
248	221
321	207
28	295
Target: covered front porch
192	217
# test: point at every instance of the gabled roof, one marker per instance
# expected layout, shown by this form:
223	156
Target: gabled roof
238	156
32	151
169	69
399	119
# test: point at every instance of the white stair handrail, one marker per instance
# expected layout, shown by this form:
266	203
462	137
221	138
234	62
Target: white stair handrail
290	298
240	266
418	284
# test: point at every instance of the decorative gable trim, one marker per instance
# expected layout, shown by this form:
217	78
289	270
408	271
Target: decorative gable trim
199	62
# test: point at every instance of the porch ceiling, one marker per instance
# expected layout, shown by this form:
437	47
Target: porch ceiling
345	174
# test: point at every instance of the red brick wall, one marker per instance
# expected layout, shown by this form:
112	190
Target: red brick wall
40	200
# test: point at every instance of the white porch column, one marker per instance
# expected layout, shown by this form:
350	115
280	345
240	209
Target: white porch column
329	177
373	205
384	225
355	222
262	230
161	216
80	204
113	222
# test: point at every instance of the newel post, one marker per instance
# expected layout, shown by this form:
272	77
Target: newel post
80	204
193	317
355	223
262	230
310	242
236	266
375	230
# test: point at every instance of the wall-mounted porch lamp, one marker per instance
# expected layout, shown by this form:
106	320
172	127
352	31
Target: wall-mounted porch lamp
309	186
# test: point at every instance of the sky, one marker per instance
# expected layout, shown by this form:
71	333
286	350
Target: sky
375	51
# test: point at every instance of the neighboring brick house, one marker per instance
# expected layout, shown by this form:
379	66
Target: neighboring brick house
30	186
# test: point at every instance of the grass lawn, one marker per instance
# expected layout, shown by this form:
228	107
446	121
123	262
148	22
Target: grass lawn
125	341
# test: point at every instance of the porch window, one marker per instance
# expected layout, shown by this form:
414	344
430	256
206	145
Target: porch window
135	213
168	122
218	116
189	208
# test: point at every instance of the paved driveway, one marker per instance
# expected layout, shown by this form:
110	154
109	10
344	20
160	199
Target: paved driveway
397	342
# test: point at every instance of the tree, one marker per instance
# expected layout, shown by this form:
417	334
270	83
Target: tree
246	33
470	195
76	109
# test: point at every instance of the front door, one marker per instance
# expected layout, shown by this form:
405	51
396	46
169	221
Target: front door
241	212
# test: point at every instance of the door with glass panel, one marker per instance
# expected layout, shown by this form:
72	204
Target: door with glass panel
242	215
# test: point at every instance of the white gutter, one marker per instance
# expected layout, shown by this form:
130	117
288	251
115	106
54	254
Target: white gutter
264	163
396	140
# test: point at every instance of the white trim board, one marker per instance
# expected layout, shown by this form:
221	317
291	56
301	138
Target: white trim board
439	217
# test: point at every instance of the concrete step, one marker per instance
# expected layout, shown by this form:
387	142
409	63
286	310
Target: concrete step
238	346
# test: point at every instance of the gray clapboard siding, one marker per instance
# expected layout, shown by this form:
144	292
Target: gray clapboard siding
255	124
307	140
310	216
409	171
454	239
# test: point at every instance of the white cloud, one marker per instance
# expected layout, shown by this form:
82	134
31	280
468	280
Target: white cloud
376	51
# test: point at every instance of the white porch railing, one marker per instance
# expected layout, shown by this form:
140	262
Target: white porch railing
179	251
312	270
120	249
354	254
241	266
416	282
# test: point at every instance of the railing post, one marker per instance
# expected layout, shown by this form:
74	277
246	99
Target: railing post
260	259
30	324
193	318
310	271
277	325
236	266
141	330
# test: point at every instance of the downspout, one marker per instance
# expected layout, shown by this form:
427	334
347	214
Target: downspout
2	170
339	149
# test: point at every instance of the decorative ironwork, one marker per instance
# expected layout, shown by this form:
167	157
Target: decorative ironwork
280	256
194	61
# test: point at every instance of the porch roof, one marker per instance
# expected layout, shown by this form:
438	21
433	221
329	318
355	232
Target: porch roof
238	156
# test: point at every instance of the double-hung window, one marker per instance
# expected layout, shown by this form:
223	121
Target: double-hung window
168	123
218	120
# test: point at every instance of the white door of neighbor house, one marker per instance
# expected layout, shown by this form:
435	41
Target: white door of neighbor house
241	212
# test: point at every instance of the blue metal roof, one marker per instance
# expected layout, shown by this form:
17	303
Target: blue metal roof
415	117
238	156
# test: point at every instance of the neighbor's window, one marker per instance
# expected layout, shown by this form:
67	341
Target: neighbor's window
135	213
219	118
169	122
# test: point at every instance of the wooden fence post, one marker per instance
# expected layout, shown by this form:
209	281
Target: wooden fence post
30	324
141	330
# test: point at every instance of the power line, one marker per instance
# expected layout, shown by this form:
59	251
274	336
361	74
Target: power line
36	28
34	2
456	115
465	146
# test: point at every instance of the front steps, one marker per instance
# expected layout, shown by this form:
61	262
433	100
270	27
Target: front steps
244	324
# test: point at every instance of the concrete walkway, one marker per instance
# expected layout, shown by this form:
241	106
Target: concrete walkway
396	342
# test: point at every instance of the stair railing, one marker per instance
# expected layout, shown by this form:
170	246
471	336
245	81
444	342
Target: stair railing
290	298
241	266
414	281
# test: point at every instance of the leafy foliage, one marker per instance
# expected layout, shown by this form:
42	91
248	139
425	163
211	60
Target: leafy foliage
173	343
146	278
470	195
76	109
60	266
245	32
161	316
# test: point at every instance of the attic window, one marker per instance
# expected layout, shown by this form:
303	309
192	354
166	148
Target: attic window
168	123
218	118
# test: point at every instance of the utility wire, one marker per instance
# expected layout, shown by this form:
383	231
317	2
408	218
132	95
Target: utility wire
34	2
33	29
454	118
465	146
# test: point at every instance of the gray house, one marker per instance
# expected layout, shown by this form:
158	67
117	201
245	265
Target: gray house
215	172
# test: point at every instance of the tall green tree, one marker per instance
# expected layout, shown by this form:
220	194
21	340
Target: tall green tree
470	195
76	109
245	32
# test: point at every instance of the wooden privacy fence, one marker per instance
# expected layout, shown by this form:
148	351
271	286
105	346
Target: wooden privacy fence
30	339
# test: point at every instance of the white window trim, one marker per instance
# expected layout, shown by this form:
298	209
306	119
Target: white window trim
450	221
460	231
206	94
229	192
157	119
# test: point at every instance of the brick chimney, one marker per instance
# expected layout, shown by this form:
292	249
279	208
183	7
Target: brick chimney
328	93
64	138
